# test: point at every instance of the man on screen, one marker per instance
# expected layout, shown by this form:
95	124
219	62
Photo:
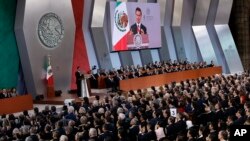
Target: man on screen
138	27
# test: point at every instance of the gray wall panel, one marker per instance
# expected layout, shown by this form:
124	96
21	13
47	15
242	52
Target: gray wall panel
98	11
23	52
126	58
168	29
98	34
201	12
155	55
190	47
164	52
167	50
146	56
213	36
201	33
176	29
88	5
182	30
204	44
136	58
115	60
154	52
223	11
229	48
103	54
225	37
36	52
179	45
177	13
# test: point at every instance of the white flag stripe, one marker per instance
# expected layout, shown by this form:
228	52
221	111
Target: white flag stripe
49	72
120	28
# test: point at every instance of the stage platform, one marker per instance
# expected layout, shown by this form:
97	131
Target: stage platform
59	100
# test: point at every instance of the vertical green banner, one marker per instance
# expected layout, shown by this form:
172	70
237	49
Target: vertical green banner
9	57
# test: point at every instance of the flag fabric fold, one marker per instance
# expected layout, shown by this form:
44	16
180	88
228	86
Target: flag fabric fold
121	27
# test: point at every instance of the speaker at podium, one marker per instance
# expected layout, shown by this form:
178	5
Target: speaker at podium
85	85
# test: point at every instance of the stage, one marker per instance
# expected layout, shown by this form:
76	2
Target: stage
59	100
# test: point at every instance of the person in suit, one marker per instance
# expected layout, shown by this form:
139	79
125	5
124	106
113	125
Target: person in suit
138	27
78	76
106	133
4	94
241	118
93	80
133	130
111	83
1	94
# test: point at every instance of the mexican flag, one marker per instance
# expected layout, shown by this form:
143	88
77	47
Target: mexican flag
49	76
120	27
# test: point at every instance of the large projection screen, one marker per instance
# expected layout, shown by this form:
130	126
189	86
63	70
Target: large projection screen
134	26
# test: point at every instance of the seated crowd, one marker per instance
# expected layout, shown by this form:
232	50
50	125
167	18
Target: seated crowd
206	108
103	79
7	93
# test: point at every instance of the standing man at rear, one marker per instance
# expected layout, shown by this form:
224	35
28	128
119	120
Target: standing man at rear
78	76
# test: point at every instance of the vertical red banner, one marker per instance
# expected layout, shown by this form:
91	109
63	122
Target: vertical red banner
80	57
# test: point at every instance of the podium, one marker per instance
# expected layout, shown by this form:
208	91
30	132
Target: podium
85	85
50	91
137	41
101	82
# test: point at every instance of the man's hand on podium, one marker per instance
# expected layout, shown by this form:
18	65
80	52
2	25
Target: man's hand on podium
142	31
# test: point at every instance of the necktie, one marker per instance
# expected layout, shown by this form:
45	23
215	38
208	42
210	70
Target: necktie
138	28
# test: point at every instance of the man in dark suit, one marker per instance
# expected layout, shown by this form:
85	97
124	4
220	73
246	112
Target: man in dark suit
78	76
1	94
138	27
93	80
106	134
133	130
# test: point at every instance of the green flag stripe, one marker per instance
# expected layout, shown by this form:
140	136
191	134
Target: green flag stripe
118	3
9	56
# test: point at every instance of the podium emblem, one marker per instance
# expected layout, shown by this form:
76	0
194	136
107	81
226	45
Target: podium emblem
137	40
50	30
